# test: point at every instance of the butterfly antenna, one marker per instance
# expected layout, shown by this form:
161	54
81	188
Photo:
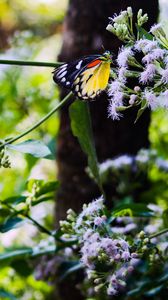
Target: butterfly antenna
102	46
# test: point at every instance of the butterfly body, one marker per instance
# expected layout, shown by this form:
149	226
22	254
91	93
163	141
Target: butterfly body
86	77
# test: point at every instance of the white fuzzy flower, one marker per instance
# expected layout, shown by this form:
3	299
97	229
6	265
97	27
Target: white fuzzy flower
112	111
155	28
122	74
113	87
151	99
124	55
148	74
164	76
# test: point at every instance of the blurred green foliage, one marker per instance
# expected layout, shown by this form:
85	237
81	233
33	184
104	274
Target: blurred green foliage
31	30
41	16
159	132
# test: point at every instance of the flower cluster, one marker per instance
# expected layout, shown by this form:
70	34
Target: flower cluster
122	25
125	167
110	248
144	58
116	256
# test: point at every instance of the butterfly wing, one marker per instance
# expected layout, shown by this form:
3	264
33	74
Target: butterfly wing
92	79
86	77
67	73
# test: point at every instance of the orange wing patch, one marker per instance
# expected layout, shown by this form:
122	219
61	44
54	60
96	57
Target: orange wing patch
94	63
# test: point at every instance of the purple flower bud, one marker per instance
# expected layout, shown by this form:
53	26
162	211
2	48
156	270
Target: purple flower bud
125	255
124	245
134	255
137	88
113	279
130	269
133	98
111	291
117	257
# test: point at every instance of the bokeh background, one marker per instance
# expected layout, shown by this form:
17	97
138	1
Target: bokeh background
31	30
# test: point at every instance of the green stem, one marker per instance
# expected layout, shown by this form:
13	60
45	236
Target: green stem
123	108
38	123
163	41
49	250
30	63
158	233
39	226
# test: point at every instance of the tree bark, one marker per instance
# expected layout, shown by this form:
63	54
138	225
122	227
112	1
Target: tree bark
84	33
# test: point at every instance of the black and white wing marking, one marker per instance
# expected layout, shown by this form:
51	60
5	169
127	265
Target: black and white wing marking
66	73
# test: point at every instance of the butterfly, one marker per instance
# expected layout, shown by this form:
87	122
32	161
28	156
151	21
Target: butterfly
86	77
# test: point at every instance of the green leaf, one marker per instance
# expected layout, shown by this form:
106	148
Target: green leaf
48	187
132	210
141	110
68	268
154	291
143	33
165	218
11	223
33	147
4	212
7	257
15	200
42	186
148	288
52	146
82	129
42	199
58	234
7	295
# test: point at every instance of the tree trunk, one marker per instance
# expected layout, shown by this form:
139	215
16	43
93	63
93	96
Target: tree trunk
85	33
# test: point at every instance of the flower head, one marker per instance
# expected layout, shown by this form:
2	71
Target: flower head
164	76
151	99
158	31
89	210
158	53
120	18
114	87
112	111
155	28
122	74
124	55
148	74
145	45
